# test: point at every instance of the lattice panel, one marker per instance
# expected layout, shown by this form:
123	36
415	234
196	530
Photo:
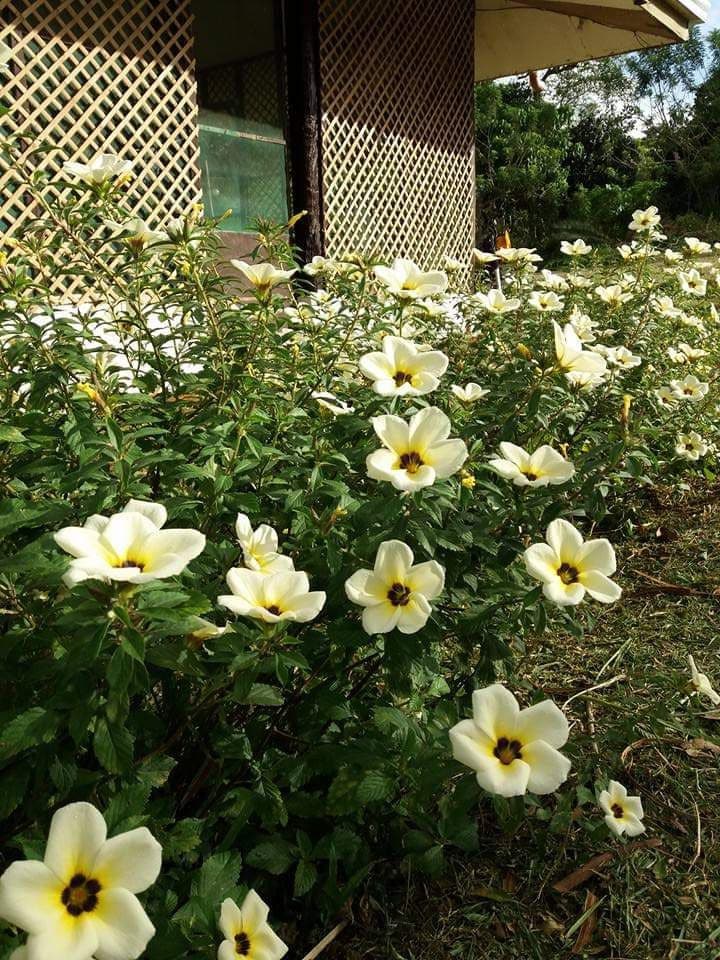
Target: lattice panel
112	76
397	127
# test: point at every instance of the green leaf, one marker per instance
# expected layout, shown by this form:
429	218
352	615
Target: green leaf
305	878
29	729
218	877
274	856
113	746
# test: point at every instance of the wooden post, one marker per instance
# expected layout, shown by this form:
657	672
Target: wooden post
304	123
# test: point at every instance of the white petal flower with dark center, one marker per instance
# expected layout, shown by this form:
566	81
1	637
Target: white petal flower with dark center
691	282
415	453
136	233
407	281
328	401
262	276
701	683
99	170
519	255
643	220
697	247
260	547
544	466
396	594
80	901
665	397
482	258
690	389
568	566
576	248
570	353
495	301
691	446
546	301
614	295
130	546
402	370
665	307
247	931
622	358
513	751
470	393
272	597
623	814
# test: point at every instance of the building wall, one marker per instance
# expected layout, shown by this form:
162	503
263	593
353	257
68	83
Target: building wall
113	76
396	88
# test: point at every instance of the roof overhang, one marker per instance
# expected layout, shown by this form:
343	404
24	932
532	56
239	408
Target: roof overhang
515	36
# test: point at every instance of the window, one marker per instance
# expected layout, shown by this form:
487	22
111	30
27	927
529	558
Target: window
241	110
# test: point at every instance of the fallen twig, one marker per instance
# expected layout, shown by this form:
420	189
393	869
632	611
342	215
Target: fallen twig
326	941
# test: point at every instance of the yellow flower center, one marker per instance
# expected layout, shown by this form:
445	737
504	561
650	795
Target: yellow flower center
402	377
242	944
567	573
80	895
508	750
399	595
411	461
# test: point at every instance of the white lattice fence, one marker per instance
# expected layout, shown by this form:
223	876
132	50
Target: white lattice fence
114	76
397	127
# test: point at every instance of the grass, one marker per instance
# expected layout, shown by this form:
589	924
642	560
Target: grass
656	899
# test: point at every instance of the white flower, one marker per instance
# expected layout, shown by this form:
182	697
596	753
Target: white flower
135	232
579	281
320	265
481	257
260	547
272	597
613	295
247	932
407	281
665	397
568	566
130	546
570	354
262	276
544	466
495	301
665	307
626	250
416	453
519	255
452	265
690	389
583	325
470	393
553	281
546	301
512	750
690	446
684	353
623	814
645	219
576	248
5	54
401	370
585	381
622	357
673	256
101	169
80	900
396	593
328	401
701	684
697	247
692	282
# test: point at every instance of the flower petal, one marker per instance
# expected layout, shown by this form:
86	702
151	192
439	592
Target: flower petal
254	912
548	767
356	588
392	431
30	896
564	594
495	711
123	928
565	540
155	512
542	562
230	918
598	555
71	941
414	615
80	542
77	832
543	721
131	860
446	457
171	550
381	618
426	578
393	561
376	366
600	587
427	428
504	779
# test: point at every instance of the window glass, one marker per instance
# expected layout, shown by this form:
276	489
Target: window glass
241	111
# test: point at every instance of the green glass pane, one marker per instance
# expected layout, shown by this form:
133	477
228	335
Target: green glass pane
245	175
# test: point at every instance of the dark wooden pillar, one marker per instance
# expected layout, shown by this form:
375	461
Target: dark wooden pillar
304	123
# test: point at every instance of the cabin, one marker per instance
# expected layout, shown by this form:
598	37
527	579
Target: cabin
358	111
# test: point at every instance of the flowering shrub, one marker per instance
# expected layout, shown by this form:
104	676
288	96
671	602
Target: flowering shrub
398	476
